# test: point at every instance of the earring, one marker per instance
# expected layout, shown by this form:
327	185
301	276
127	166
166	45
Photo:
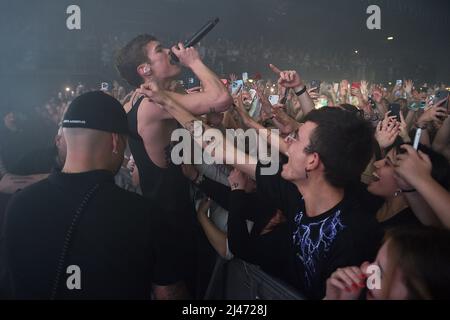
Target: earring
306	173
397	193
115	152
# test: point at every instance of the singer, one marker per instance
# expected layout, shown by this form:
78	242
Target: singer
142	59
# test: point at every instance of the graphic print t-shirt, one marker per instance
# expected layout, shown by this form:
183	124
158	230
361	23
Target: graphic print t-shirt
343	236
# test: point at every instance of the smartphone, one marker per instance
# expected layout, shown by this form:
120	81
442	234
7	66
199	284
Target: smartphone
236	85
245	76
274	99
398	82
316	84
440	95
394	108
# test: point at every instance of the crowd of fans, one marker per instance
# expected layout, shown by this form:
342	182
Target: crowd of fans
363	180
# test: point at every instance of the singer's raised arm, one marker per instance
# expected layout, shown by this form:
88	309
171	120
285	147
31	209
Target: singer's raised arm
214	96
187	120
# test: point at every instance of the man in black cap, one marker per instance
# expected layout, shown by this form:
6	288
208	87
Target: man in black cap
76	235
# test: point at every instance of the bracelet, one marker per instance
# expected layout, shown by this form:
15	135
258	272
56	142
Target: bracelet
298	94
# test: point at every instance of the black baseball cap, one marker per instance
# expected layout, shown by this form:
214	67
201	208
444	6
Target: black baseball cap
96	110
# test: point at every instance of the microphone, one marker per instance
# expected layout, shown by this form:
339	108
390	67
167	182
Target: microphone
199	35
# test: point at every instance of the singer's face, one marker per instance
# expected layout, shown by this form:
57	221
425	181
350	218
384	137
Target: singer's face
160	64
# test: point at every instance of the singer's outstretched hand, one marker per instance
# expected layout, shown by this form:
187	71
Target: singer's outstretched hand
187	56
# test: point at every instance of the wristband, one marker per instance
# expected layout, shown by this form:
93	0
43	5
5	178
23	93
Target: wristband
298	94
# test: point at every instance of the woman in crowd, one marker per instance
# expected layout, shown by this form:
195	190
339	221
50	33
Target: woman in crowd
396	209
412	264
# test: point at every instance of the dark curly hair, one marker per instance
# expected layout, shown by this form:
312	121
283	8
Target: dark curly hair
344	142
131	56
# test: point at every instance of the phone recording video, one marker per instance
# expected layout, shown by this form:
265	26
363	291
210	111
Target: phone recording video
236	86
394	108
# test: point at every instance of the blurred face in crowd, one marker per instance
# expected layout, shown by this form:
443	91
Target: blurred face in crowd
384	184
160	65
299	160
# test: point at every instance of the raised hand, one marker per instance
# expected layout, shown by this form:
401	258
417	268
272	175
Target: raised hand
408	86
287	79
433	113
343	87
404	129
387	131
413	166
345	284
187	56
313	93
153	92
285	123
365	88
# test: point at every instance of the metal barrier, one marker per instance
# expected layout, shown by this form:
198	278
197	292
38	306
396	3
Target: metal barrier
239	280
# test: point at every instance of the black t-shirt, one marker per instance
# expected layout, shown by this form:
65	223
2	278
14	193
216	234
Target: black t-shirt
119	246
343	236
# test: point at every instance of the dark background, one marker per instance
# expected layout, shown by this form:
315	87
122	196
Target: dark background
39	55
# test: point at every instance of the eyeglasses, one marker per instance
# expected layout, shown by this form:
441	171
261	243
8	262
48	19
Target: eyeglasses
294	136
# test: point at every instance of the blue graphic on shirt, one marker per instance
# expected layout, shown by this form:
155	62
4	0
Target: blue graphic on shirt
314	240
